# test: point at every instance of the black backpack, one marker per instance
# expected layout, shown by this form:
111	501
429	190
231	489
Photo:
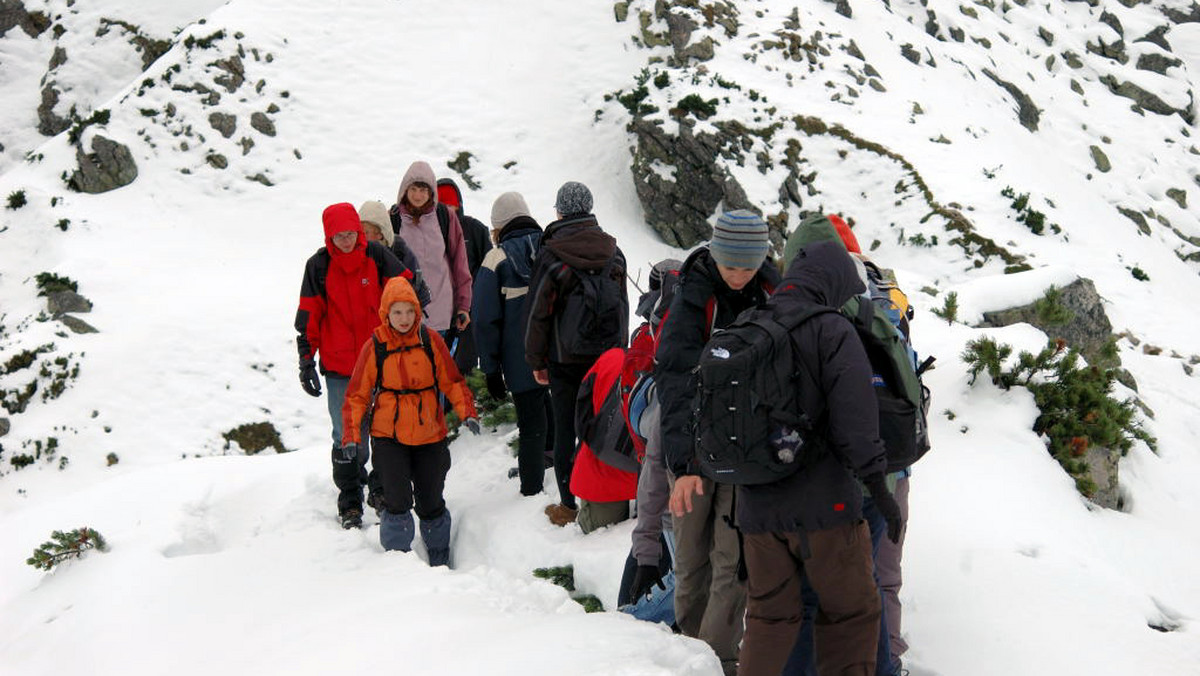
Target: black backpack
749	381
595	311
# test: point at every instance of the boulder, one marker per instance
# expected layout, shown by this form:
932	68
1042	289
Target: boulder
109	166
1089	329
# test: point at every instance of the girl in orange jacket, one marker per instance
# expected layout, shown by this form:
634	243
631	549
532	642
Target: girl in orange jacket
407	422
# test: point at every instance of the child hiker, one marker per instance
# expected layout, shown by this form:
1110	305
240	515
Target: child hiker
394	389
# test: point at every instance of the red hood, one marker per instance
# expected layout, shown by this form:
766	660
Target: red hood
339	218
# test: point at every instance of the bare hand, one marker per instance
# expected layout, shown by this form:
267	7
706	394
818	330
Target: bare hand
681	495
542	376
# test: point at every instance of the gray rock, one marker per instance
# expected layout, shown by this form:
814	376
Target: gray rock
1114	51
1180	196
1101	160
234	75
1027	112
13	14
908	52
1112	22
217	160
224	123
58	58
5	426
62	302
1157	63
50	124
1103	466
109	166
1138	219
77	325
1157	36
1144	99
263	124
1088	330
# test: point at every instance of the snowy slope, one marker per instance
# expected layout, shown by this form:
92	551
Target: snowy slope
221	561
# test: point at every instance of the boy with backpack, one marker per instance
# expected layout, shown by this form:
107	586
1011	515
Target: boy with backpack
717	283
393	400
339	296
808	524
578	307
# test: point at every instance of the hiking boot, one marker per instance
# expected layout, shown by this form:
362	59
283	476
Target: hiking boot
514	472
560	515
351	518
375	501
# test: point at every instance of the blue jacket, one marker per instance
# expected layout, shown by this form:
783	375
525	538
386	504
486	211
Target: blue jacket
498	303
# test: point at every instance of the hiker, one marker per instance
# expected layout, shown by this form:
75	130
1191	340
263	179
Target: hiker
478	240
604	475
885	553
809	525
718	281
377	228
397	377
435	236
498	303
339	296
578	307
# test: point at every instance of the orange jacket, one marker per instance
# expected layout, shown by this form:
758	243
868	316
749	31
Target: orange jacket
406	409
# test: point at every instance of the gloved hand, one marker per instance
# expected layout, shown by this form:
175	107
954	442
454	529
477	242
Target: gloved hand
495	386
462	319
473	425
644	579
349	453
309	379
886	504
786	442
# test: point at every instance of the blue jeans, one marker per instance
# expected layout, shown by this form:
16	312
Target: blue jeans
802	661
335	395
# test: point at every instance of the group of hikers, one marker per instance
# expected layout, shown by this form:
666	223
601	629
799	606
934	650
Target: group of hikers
747	418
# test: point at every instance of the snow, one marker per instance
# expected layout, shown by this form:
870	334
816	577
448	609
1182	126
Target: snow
221	561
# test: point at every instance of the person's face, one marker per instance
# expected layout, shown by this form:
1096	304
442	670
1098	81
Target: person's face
418	194
345	240
402	315
372	231
736	278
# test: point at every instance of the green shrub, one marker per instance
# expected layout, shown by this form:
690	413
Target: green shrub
16	199
949	309
63	546
694	104
1140	274
1050	309
48	283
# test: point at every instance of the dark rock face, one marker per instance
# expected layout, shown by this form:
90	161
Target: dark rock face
50	124
224	123
262	124
13	14
77	325
1027	112
1089	329
678	207
67	301
109	166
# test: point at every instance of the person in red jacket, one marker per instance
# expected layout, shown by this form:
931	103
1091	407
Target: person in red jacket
339	299
394	389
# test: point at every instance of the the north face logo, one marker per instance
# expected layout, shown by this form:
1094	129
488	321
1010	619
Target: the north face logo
719	353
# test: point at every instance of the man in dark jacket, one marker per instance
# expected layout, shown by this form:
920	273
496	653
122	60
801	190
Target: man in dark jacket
572	246
810	523
498	304
718	282
339	307
478	239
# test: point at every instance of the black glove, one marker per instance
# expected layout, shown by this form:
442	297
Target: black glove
349	454
473	425
644	579
495	386
886	504
309	379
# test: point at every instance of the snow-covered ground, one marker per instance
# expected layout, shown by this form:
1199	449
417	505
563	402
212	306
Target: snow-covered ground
225	562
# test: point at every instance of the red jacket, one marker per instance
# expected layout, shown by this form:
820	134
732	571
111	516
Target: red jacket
592	479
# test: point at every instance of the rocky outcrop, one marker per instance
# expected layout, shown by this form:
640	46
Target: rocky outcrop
1088	329
1027	112
13	15
109	166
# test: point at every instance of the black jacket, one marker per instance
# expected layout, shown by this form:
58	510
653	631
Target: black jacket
828	493
702	302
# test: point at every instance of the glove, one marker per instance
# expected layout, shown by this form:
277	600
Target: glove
787	442
495	386
309	379
886	504
644	579
473	425
349	453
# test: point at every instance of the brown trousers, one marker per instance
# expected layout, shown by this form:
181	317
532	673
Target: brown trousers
838	564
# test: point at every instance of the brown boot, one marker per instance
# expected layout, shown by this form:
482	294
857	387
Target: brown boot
560	515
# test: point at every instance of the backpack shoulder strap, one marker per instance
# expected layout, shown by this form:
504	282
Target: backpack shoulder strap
425	342
443	215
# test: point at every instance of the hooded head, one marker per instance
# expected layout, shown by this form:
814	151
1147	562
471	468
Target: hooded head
449	194
398	290
418	172
373	212
573	199
824	273
739	240
508	207
342	217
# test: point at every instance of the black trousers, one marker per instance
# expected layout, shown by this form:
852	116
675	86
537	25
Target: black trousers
534	425
564	387
413	474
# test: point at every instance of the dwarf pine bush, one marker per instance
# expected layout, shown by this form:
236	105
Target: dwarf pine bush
63	546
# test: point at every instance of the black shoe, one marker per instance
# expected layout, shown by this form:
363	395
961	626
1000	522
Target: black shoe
514	472
375	500
351	518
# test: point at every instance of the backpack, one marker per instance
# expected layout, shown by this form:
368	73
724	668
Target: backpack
595	311
443	216
903	400
600	419
748	380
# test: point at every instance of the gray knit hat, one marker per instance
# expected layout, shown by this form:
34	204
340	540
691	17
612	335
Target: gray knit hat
573	198
508	206
740	240
373	211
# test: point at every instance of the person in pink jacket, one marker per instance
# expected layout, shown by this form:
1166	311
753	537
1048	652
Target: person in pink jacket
419	218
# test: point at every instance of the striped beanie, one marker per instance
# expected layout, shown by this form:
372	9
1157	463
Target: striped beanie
739	240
